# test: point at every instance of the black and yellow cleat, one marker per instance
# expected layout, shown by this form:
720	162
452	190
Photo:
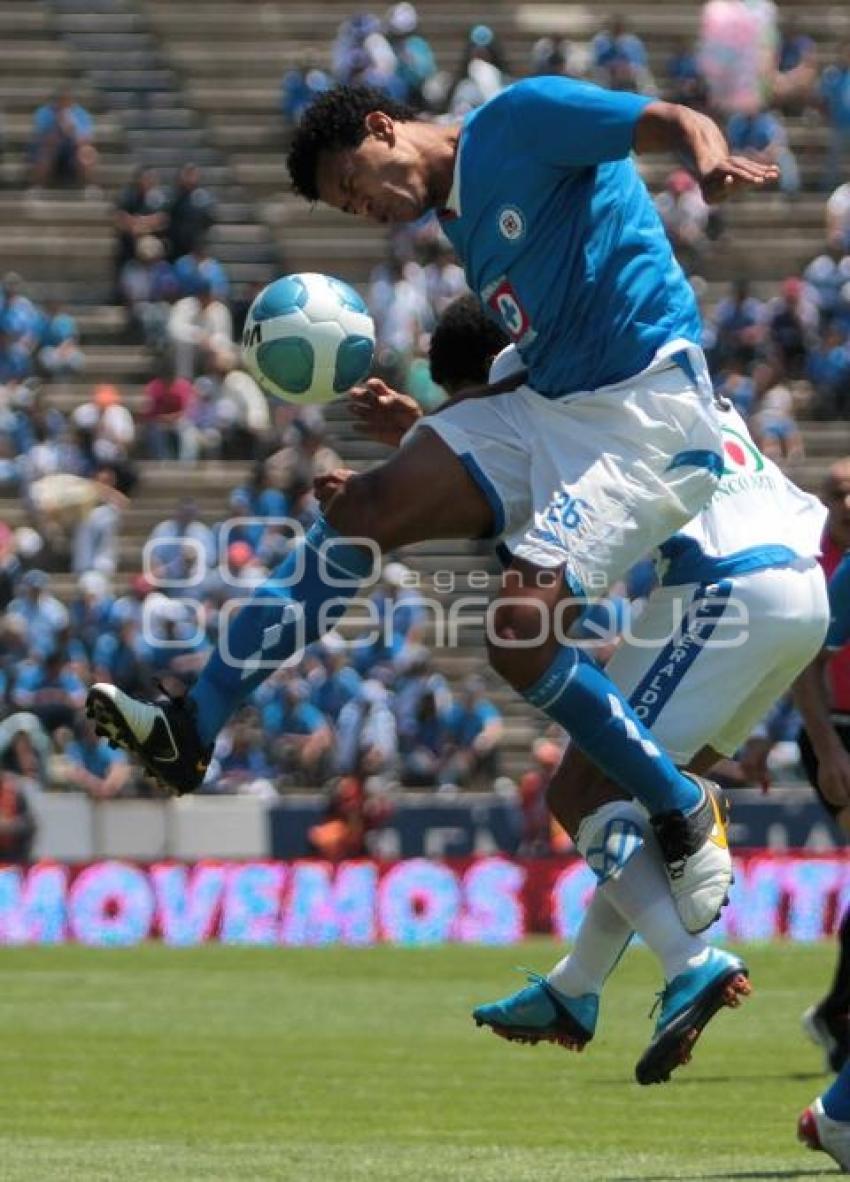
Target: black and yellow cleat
695	849
161	734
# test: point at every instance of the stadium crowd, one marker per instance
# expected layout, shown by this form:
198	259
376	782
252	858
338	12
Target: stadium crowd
375	713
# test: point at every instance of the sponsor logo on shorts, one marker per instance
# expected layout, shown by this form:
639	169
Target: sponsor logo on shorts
511	223
739	454
744	468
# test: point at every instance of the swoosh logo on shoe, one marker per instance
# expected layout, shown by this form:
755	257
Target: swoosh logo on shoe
718	832
166	756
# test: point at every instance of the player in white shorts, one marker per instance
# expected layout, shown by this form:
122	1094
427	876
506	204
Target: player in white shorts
741	608
751	551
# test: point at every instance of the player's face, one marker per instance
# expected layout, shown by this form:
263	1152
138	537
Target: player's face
382	179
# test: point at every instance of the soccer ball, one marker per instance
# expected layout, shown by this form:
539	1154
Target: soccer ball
308	338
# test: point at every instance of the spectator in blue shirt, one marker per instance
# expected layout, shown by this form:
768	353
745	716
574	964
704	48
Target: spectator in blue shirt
737	385
91	764
63	142
827	277
685	83
474	729
51	691
173	637
19	316
401	614
761	135
198	271
42	615
835	94
60	353
334	682
147	285
425	744
367	737
415	64
240	764
741	324
175	544
620	58
15	361
299	88
828	370
91	608
302	738
117	656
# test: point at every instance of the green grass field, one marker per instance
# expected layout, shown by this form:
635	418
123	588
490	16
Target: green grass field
218	1063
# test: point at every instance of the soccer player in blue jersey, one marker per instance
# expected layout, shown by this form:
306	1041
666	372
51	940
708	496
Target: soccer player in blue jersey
609	450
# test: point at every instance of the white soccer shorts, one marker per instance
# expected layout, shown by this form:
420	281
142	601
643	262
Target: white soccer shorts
740	644
594	481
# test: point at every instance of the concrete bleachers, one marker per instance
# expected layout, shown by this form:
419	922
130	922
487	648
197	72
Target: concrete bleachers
242	110
170	80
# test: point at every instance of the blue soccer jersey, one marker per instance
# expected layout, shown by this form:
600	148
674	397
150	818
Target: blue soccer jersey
839	605
559	236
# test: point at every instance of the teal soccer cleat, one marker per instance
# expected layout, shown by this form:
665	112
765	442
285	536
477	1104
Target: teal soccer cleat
688	1004
539	1013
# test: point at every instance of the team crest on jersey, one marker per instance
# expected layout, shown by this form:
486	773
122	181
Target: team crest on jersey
511	223
501	297
740	455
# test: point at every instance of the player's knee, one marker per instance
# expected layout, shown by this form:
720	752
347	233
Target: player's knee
518	636
365	507
354	509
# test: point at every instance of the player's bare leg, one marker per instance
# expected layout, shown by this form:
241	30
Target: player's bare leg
422	492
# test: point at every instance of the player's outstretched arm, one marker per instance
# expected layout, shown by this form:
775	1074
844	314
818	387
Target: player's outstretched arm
702	147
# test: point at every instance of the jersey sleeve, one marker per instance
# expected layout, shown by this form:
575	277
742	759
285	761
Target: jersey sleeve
839	606
574	124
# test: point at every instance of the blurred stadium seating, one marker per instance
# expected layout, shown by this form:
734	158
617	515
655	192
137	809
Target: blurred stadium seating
175	80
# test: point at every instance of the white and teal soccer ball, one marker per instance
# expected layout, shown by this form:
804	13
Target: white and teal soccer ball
308	338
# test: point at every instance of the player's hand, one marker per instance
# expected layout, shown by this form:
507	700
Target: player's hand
382	414
834	778
329	484
753	762
732	175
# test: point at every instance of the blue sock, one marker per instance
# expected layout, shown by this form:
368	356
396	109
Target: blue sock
279	621
836	1099
575	693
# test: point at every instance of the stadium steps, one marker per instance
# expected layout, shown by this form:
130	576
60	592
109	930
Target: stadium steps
132	70
229	58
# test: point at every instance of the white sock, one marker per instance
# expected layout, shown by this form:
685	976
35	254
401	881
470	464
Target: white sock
601	941
619	846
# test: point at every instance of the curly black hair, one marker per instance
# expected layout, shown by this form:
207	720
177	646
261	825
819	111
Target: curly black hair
336	119
463	344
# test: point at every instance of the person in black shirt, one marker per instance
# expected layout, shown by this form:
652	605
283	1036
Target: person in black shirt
140	210
191	212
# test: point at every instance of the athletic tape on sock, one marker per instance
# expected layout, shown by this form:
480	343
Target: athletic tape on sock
609	837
